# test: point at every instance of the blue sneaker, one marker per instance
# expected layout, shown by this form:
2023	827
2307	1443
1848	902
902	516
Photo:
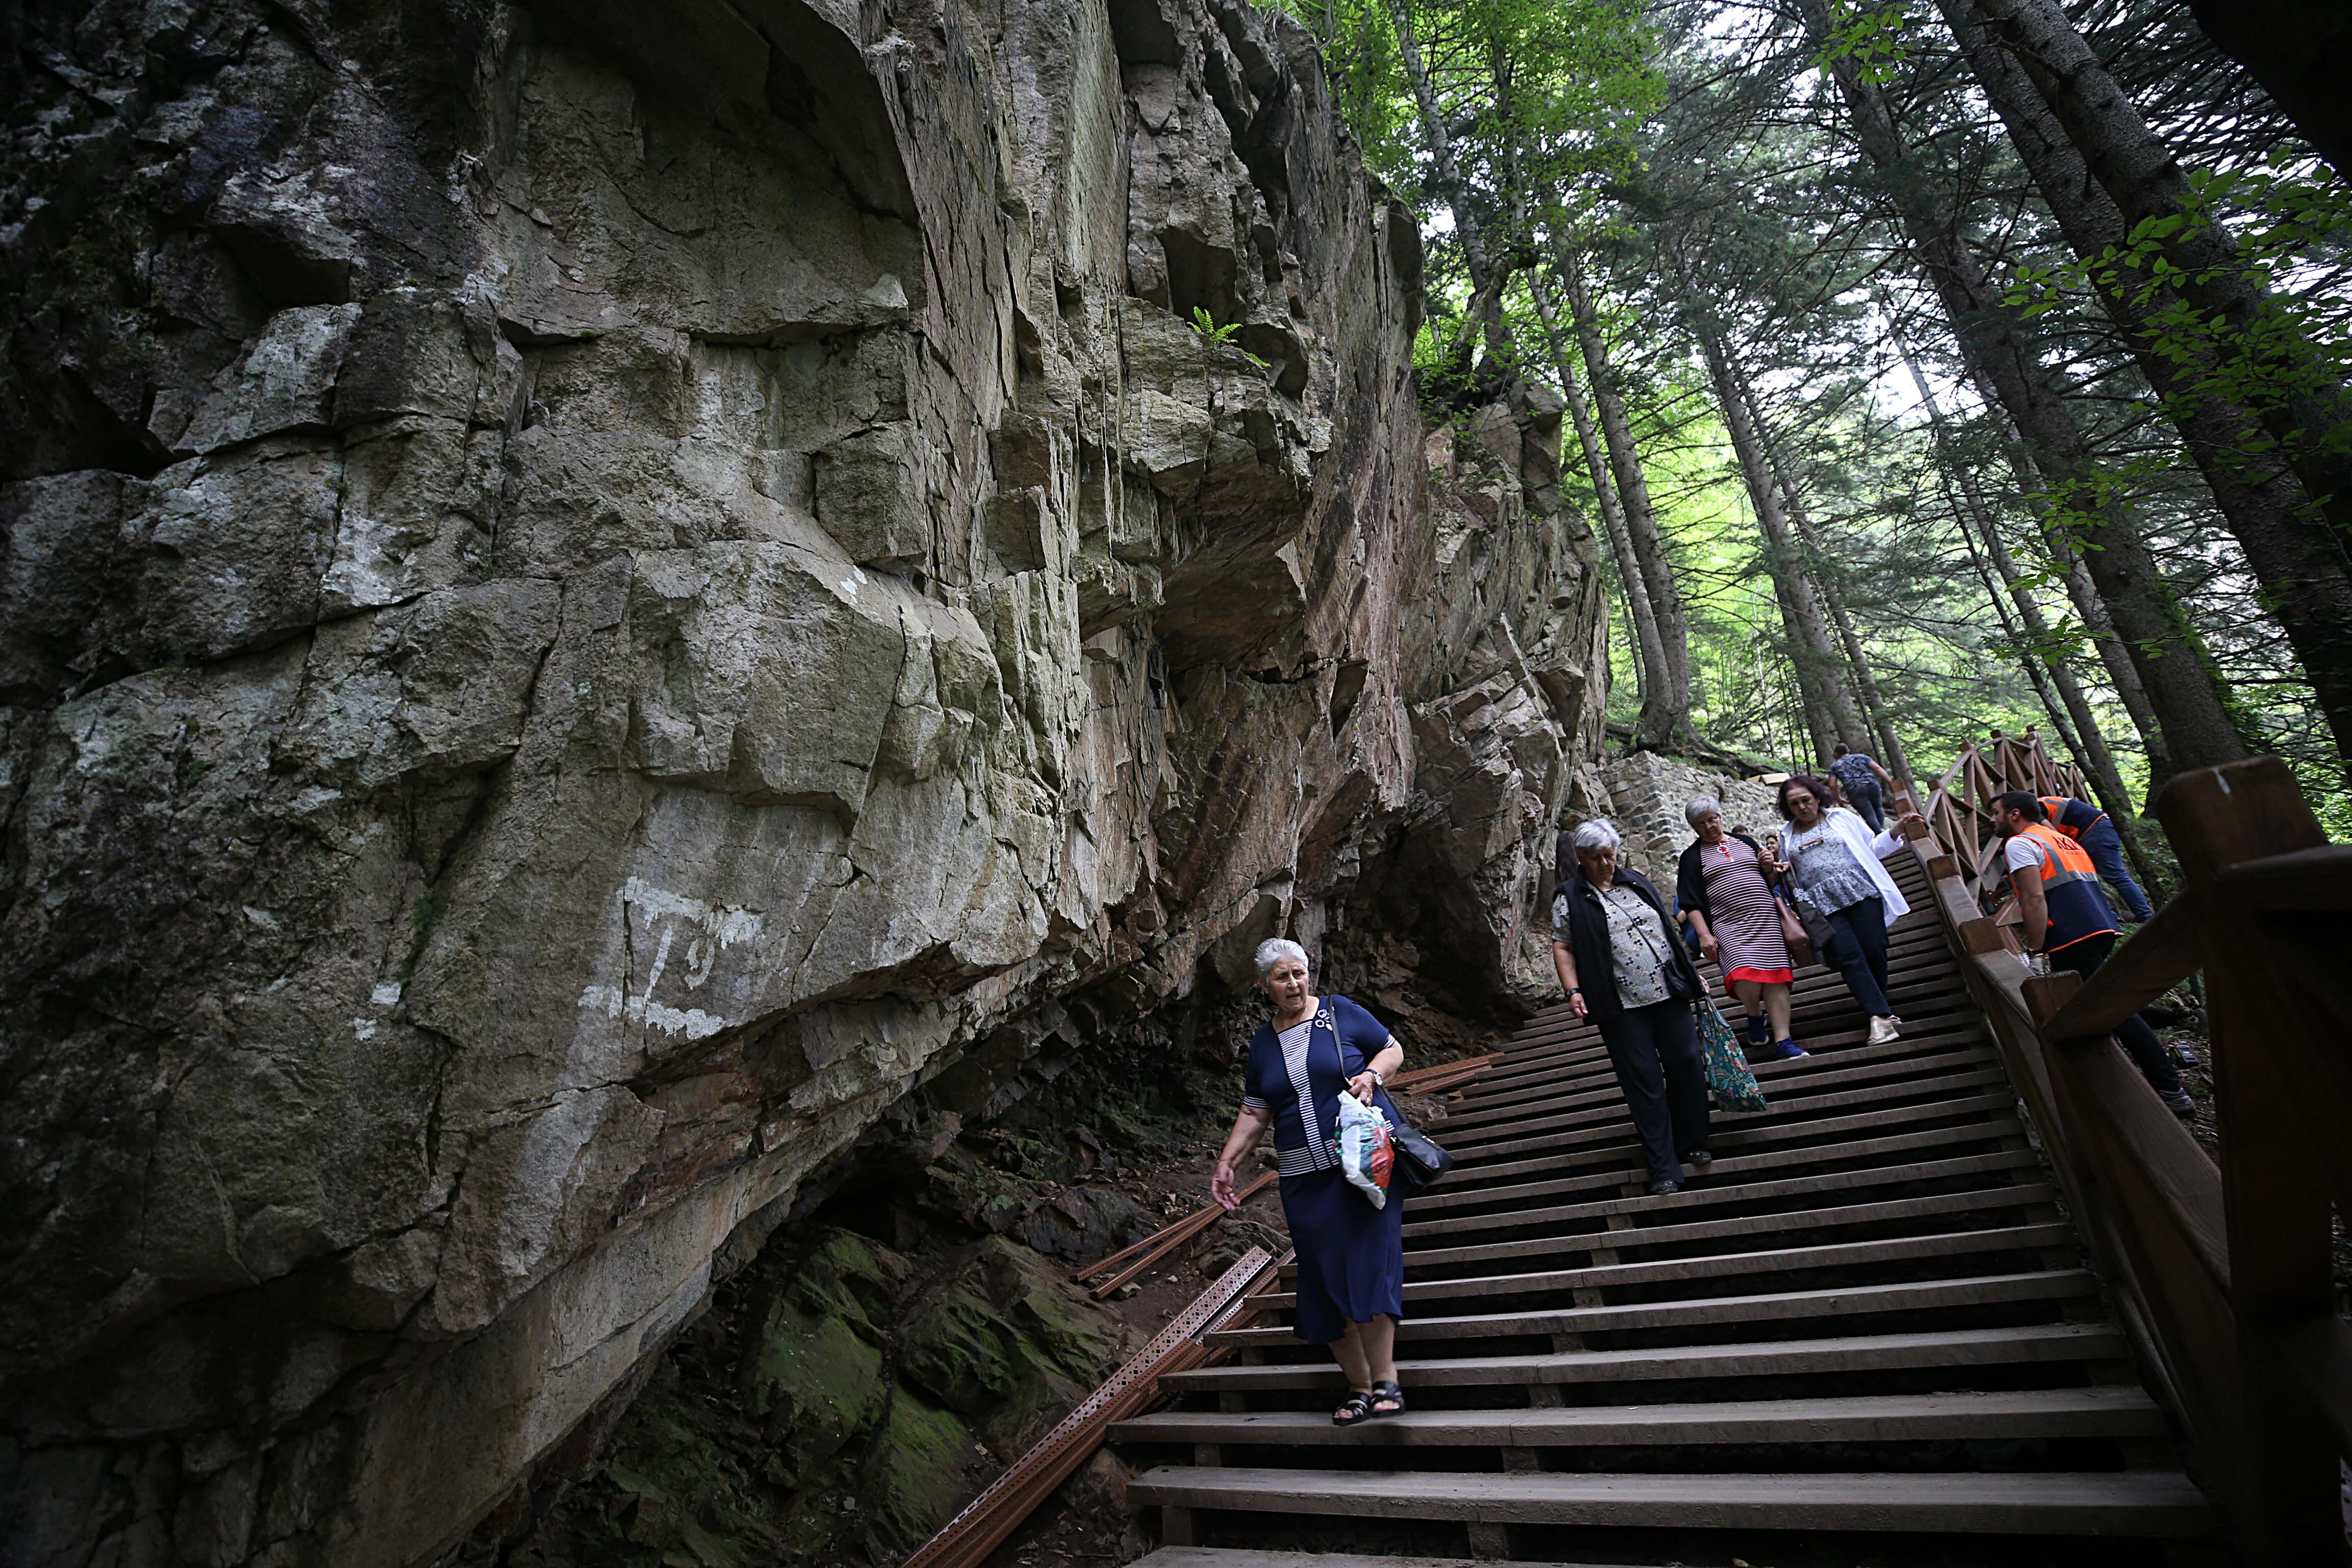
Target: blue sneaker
1789	1050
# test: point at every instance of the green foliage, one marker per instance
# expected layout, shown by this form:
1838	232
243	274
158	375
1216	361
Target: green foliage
421	916
1873	38
2269	218
1222	337
1692	156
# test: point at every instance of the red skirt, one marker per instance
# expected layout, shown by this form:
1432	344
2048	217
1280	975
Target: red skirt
1768	976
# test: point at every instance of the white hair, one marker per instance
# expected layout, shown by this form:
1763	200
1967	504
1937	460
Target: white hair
1699	805
1597	834
1274	950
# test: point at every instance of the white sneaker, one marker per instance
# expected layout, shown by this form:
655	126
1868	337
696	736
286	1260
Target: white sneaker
1882	1030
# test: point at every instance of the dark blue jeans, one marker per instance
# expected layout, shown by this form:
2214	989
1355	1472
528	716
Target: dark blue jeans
2104	846
1869	803
2139	1041
1859	951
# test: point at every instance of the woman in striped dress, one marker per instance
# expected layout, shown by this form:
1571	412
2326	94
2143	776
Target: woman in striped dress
1350	1254
1720	882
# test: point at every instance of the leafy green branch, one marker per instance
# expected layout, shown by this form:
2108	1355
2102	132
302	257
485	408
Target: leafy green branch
1222	337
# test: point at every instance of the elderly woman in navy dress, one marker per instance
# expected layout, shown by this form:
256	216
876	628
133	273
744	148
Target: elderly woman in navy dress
1350	1254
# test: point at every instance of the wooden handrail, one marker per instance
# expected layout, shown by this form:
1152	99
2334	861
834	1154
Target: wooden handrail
2300	881
2218	1272
2144	966
2319	1352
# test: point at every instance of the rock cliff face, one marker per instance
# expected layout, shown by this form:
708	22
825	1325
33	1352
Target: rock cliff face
595	592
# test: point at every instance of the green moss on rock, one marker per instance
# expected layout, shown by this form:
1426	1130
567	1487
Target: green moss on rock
818	1382
914	1473
850	1276
1002	1342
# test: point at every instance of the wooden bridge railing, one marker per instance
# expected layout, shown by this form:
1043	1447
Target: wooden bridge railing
1958	808
2221	1272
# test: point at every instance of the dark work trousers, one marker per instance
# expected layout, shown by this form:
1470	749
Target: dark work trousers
1859	951
2146	1052
1656	1052
2104	846
1869	803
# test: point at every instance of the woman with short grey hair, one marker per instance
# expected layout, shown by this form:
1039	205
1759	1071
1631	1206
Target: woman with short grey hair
1616	958
1350	1254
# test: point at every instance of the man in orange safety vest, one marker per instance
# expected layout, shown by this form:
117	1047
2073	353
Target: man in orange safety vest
2064	916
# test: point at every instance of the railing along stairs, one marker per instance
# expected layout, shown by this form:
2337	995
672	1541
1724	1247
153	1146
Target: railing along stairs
2221	1272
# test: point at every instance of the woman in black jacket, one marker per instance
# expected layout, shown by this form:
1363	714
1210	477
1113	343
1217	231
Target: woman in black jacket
1613	948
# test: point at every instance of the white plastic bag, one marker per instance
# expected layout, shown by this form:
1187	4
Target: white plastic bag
1365	1155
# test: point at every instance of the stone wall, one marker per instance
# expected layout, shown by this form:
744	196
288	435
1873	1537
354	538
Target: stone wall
594	594
1646	794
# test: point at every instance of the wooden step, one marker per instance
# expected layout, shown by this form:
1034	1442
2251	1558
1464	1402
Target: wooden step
1949	1348
1698	1199
1937	981
1727	1265
1830	1075
1604	1091
2026	1413
1909	953
1824	1136
1788	1094
1850	1301
2126	1503
1784	1113
1589	1065
1724	1170
1976	1200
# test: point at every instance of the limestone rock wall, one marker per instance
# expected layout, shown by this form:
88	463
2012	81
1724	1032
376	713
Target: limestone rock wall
589	596
1647	792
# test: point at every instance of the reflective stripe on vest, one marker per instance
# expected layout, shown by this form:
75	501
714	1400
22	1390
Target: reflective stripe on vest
2053	807
2070	888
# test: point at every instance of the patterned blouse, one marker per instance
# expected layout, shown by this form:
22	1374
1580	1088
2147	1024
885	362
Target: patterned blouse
1823	875
1637	942
1637	947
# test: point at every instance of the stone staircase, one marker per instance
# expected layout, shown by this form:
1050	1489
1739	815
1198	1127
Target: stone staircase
1865	1334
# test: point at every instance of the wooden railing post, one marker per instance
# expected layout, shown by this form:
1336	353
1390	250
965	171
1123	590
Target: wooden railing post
2275	1181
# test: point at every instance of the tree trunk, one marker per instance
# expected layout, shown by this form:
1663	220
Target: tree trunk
1812	705
2299	398
2087	739
2098	629
1664	707
1632	489
2306	576
1816	657
2181	683
1485	290
1873	705
2296	49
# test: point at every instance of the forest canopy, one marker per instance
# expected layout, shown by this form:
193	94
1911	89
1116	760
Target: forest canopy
1930	368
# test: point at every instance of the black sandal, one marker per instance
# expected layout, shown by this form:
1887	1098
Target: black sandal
1389	1395
1354	1409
